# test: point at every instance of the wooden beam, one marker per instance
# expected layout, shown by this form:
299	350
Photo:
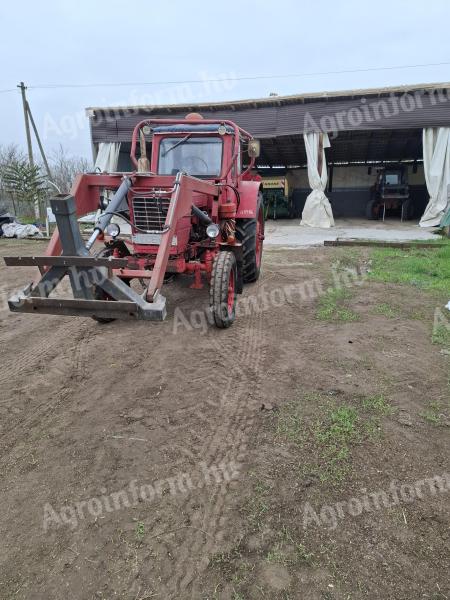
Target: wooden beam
381	244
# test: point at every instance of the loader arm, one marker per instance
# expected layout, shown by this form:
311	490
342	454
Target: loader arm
185	187
70	257
85	189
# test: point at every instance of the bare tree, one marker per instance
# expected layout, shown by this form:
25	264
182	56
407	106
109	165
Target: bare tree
64	168
16	180
10	155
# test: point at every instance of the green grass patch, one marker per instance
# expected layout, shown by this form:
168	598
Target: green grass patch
340	426
140	530
347	258
378	404
332	306
301	553
276	555
423	268
257	505
386	310
289	424
441	336
334	435
328	440
434	413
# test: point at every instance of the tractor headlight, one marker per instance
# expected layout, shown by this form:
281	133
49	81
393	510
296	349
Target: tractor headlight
113	230
212	231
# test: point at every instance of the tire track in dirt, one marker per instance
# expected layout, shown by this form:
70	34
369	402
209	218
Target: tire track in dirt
240	424
38	416
226	442
35	349
203	453
188	415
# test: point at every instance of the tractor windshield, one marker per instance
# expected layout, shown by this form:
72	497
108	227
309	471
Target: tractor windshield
392	178
199	156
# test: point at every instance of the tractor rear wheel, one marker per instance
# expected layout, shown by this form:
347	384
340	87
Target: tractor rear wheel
407	210
222	291
250	232
372	209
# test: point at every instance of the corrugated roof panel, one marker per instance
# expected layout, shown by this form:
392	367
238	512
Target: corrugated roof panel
396	112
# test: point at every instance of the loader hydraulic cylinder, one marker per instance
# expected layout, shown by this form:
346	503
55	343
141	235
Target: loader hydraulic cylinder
204	217
113	207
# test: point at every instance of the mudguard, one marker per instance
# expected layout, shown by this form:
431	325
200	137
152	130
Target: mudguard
248	191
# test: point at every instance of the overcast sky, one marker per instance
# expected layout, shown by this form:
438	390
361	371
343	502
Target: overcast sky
103	41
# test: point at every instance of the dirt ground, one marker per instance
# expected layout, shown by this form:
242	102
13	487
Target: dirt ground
173	460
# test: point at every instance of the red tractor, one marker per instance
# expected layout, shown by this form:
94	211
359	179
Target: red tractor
193	208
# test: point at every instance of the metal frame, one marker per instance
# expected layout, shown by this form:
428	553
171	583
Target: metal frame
86	274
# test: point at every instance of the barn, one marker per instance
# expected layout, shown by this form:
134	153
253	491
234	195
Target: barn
360	132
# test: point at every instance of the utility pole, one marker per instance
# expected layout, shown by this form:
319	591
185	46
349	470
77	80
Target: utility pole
38	139
29	118
27	122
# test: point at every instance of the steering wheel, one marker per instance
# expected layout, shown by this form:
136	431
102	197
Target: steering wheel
195	160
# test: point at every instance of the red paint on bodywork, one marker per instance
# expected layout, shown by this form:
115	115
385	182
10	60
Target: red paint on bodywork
209	195
248	191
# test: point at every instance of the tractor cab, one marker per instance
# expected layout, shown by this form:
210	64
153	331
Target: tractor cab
212	151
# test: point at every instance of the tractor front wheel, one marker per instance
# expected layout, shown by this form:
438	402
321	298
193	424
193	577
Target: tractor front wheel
100	294
222	292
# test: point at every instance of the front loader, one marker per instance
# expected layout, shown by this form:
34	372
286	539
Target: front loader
193	208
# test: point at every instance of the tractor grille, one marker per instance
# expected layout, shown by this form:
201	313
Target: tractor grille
150	212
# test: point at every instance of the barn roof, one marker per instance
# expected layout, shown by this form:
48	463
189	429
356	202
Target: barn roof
365	125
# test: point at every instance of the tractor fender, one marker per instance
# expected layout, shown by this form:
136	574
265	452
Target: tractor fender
248	191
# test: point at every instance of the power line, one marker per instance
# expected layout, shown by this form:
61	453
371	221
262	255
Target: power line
243	78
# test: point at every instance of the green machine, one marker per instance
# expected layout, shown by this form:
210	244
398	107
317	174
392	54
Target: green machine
277	204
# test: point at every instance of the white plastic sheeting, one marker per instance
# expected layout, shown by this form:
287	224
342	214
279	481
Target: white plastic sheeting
317	211
20	231
436	165
107	157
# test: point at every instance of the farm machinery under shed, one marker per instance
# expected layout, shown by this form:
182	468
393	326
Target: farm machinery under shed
193	208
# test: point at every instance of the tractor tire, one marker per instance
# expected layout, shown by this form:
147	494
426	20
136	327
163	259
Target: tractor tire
408	210
250	232
371	215
222	291
99	294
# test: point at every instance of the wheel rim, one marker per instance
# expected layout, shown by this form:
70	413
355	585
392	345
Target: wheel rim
231	294
259	236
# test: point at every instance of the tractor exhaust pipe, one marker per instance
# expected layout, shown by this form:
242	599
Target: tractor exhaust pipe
112	208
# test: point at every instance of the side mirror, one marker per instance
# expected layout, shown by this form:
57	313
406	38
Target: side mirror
254	148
